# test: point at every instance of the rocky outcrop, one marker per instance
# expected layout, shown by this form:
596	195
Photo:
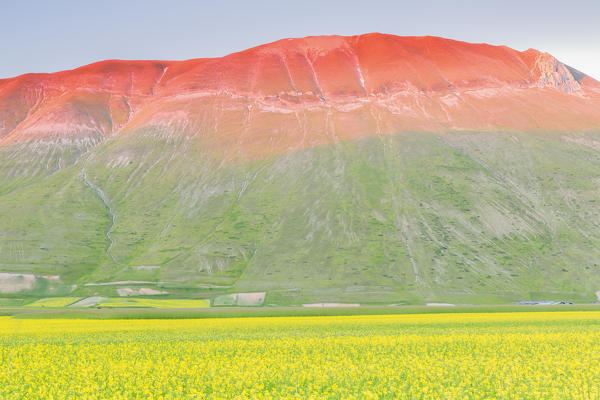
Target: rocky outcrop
554	74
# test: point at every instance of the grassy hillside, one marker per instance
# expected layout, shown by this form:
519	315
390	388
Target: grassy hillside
409	218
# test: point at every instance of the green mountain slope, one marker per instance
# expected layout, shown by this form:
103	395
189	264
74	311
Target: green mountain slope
459	217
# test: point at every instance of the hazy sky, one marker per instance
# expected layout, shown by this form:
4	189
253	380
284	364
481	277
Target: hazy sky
52	35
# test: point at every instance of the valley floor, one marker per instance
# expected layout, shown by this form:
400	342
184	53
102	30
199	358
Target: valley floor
519	355
189	309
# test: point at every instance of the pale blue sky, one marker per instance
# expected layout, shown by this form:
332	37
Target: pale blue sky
52	35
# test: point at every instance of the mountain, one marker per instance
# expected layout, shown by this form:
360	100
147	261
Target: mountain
371	169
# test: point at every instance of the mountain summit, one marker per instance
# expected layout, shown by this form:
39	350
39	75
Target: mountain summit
363	169
297	93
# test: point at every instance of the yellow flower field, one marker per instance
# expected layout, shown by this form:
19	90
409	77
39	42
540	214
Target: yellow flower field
54	302
553	355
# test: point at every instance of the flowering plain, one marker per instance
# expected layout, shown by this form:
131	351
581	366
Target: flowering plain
539	355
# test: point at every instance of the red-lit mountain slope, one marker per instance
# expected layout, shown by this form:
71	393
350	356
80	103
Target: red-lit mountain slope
298	93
